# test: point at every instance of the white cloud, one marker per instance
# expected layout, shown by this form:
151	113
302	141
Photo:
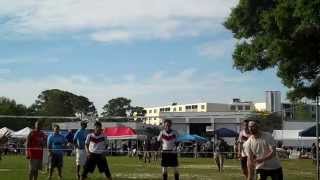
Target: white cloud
7	61
160	88
111	36
4	71
116	20
217	49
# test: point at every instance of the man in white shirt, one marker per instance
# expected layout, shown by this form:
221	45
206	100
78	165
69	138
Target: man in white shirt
261	151
168	139
96	148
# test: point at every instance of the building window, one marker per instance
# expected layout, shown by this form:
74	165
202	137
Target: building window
154	111
174	109
247	108
194	107
240	108
188	107
155	118
202	106
313	116
180	108
167	109
161	109
150	111
233	108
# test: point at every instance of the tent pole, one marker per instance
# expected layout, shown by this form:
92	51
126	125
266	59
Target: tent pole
317	132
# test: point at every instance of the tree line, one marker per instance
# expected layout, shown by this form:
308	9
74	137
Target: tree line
55	102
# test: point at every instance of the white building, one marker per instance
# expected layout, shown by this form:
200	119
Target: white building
153	113
273	101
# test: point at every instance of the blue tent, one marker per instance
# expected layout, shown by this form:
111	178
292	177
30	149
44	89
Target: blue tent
224	132
190	138
309	132
200	138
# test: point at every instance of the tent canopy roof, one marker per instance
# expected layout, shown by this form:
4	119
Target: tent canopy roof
309	132
191	137
122	133
288	135
22	133
224	132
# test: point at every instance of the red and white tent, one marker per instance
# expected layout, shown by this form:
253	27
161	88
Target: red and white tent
115	133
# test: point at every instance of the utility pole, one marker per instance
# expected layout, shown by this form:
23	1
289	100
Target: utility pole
317	132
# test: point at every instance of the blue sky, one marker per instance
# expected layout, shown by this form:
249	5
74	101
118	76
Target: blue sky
152	51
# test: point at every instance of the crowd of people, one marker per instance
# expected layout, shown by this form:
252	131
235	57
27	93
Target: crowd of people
90	151
254	148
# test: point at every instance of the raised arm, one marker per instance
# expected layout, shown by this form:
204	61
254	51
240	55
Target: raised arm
87	144
75	137
159	138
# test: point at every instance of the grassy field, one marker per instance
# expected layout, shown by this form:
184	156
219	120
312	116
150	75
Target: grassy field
124	168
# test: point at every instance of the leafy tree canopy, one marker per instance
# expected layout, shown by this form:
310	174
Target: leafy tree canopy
56	102
10	107
122	107
279	34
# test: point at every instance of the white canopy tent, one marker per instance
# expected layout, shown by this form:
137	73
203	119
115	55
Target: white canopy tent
292	138
22	134
5	131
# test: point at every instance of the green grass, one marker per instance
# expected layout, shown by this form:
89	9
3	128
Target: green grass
124	168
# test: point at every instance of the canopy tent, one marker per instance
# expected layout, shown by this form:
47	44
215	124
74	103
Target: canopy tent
191	138
120	133
5	130
292	138
309	132
23	133
224	132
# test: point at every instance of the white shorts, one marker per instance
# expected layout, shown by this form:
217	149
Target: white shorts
81	157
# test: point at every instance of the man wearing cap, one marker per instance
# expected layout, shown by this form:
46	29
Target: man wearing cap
79	143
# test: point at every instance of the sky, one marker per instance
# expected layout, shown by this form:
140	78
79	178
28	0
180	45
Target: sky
153	52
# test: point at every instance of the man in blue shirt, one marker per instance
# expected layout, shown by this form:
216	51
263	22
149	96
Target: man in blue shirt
79	142
56	145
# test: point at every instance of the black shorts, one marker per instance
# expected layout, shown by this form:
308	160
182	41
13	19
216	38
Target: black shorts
94	160
275	174
56	160
243	163
169	159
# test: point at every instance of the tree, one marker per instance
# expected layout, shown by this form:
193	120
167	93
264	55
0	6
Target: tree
116	107
56	102
10	107
282	34
302	112
138	111
120	107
